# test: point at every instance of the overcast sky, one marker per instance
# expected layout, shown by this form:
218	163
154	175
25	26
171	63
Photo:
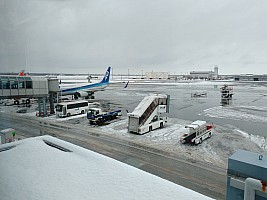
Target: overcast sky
178	36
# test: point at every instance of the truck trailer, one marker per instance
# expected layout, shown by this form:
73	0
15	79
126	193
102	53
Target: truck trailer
97	117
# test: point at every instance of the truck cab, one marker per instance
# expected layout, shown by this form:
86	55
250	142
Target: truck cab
94	112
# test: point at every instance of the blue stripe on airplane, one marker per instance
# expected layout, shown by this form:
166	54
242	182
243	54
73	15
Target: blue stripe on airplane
85	87
103	83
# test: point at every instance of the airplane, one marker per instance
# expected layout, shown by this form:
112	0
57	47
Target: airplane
86	90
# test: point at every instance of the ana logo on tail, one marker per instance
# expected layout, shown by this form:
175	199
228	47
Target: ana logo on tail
106	77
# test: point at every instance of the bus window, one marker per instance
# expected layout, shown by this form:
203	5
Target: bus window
59	108
64	110
0	84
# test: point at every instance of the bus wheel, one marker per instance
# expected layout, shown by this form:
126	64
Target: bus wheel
161	125
209	135
68	114
150	128
16	102
27	101
82	112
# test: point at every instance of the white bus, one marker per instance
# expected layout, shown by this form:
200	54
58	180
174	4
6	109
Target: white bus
71	108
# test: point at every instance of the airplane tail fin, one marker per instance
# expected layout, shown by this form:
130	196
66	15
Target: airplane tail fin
106	77
21	73
126	84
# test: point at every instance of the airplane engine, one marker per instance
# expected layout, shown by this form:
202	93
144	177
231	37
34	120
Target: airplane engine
85	95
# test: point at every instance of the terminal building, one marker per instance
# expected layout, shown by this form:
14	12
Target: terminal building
205	74
157	75
250	77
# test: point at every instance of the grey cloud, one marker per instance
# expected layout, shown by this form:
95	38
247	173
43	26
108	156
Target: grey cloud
81	36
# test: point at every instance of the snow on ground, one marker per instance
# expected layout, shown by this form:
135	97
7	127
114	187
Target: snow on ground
34	170
225	141
60	119
216	150
173	82
259	140
235	113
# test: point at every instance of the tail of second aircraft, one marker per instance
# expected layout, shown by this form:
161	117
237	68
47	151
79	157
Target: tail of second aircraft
22	73
106	77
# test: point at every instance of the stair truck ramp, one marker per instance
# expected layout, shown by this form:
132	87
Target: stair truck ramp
147	116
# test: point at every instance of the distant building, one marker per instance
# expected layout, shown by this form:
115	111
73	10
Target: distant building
250	77
201	74
157	75
205	74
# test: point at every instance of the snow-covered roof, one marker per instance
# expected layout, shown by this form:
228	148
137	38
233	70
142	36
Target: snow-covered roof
196	124
47	168
72	102
199	123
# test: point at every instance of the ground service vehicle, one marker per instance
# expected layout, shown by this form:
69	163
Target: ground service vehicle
197	132
71	108
226	92
16	101
97	116
147	115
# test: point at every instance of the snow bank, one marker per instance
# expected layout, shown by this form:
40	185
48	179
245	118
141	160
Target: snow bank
259	140
34	170
234	113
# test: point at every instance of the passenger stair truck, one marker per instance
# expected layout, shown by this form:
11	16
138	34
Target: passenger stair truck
147	115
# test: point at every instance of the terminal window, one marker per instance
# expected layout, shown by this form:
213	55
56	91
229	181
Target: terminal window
21	82
6	84
14	84
29	84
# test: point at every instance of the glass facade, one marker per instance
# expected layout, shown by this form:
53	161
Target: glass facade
5	83
13	82
21	82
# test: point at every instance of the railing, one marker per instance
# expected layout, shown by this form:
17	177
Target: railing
150	109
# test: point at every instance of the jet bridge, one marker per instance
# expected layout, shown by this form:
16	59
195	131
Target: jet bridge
29	87
147	115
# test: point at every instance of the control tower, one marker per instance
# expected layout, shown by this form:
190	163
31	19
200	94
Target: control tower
216	71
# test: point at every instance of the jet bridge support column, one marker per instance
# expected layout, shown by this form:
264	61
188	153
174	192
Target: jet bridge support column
51	101
42	106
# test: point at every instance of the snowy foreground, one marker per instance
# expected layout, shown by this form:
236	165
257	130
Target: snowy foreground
31	169
216	150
